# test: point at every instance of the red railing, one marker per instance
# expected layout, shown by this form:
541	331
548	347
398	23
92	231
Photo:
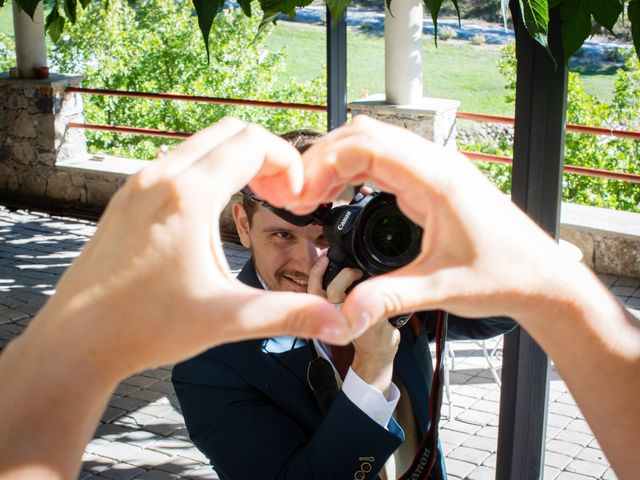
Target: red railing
594	172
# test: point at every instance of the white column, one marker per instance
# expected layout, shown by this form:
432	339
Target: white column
403	52
31	50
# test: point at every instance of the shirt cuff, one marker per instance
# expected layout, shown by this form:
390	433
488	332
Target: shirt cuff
369	399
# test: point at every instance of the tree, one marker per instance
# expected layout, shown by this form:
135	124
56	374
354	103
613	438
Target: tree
586	150
153	46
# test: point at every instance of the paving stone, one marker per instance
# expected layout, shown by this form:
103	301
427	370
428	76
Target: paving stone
158	475
564	409
162	427
170	446
157	411
452	437
486	406
111	413
461	426
126	403
481	443
476	418
482	473
623	291
579	426
558	421
566	448
488	431
117	450
575	437
627	282
111	432
550	473
470	455
122	471
139	381
609	475
125	389
178	465
97	464
572	476
633	302
205	472
557	460
146	458
148	395
459	468
593	455
194	454
590	469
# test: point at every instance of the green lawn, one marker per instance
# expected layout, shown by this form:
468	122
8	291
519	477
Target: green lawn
6	19
463	72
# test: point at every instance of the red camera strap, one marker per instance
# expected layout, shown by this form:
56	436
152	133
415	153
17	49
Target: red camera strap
425	458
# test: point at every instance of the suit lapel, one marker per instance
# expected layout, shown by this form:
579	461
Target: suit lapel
290	353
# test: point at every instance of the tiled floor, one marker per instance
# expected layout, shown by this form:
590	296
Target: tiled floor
142	434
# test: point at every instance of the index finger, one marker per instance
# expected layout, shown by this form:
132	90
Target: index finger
397	160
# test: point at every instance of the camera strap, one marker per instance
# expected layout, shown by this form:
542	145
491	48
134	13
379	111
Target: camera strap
321	379
425	458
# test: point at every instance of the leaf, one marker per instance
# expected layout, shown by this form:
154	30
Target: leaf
28	6
605	12
206	11
633	11
85	3
455	4
433	6
246	7
338	7
70	10
535	15
54	24
576	25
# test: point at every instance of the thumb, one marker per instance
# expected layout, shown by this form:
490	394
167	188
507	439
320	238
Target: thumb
260	314
387	296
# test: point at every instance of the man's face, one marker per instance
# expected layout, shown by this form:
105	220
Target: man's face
283	253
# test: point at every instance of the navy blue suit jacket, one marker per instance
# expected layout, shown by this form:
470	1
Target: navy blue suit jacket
249	408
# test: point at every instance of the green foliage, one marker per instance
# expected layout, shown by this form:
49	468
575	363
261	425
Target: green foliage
7	53
592	151
154	48
578	16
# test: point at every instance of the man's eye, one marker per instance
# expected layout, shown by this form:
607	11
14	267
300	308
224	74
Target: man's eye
283	235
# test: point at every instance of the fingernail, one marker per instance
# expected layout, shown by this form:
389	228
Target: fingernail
362	324
334	334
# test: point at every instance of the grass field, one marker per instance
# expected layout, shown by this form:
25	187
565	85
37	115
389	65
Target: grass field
458	70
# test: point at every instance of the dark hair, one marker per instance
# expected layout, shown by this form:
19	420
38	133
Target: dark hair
301	139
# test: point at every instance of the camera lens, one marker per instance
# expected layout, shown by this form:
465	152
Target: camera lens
385	238
390	236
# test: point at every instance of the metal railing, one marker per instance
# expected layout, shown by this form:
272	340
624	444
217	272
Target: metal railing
476	156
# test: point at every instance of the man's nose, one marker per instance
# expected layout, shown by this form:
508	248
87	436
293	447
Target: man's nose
310	253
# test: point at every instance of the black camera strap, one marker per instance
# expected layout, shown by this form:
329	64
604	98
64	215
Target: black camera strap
425	458
322	379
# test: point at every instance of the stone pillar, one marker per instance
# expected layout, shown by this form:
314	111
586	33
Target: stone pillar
432	118
31	50
34	137
403	52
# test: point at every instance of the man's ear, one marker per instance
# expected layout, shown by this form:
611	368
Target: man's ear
242	224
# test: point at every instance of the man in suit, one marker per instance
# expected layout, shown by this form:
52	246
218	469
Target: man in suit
249	407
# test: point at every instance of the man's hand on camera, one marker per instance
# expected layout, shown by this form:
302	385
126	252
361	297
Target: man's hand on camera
376	348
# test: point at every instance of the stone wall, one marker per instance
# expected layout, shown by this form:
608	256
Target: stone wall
35	140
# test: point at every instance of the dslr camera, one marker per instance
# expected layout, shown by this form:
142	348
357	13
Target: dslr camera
370	233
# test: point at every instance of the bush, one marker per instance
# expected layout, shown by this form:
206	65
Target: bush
447	33
156	46
478	39
7	53
588	150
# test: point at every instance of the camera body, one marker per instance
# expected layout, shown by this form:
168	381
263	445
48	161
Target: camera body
371	234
